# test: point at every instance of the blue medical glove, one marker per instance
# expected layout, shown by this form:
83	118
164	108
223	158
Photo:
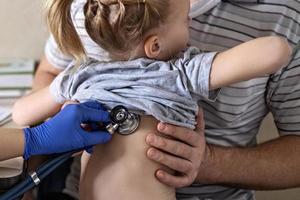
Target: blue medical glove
64	133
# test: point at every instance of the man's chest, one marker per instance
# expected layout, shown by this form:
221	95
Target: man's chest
234	118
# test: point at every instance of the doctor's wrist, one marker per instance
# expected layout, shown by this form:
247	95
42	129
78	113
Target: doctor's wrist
32	143
27	134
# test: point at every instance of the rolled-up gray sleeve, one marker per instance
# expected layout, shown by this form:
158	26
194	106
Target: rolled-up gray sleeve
59	88
197	68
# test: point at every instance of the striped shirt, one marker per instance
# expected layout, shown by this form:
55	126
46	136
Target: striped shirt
235	117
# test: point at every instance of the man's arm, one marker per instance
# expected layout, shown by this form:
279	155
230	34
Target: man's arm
268	166
45	74
272	165
51	65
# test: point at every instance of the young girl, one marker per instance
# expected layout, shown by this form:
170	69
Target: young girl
145	74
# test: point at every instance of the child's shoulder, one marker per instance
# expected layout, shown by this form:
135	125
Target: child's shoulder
188	54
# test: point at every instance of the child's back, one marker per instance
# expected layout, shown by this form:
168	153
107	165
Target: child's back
121	170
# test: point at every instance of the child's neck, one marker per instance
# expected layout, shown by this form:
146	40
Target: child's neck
128	56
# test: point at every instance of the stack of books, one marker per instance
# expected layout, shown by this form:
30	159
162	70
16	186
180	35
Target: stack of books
16	77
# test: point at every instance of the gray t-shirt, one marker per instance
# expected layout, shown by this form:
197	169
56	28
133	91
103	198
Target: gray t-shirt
169	91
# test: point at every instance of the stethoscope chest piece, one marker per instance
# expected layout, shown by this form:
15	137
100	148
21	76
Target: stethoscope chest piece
123	122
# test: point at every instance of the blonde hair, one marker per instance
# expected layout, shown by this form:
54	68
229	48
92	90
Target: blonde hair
117	26
62	28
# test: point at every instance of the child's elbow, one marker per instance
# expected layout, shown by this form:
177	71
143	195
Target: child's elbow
18	116
280	53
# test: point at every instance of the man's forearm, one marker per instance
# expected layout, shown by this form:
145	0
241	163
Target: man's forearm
42	80
44	74
272	165
11	143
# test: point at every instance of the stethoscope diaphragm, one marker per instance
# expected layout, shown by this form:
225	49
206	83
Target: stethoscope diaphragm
123	121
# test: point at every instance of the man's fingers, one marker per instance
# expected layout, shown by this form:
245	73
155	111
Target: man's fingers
185	135
175	163
172	146
182	151
171	180
200	122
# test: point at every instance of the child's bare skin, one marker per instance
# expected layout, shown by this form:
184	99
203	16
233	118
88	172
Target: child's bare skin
126	173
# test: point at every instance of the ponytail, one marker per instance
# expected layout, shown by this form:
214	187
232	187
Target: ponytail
118	26
62	28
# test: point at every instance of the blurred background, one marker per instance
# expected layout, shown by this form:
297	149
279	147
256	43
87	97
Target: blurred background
23	31
23	34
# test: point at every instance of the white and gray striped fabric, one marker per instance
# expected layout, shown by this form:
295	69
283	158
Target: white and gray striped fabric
234	119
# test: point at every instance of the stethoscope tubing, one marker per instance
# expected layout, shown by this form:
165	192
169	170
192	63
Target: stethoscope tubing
43	171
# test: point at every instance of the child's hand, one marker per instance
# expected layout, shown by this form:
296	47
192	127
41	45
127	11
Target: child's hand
64	133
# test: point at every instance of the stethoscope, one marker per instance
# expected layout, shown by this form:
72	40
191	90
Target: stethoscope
123	122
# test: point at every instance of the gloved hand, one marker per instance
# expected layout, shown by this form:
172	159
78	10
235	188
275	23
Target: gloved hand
64	133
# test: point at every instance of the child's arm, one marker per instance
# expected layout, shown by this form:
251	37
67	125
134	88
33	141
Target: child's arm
251	59
35	108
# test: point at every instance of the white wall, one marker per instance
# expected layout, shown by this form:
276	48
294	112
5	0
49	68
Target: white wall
23	31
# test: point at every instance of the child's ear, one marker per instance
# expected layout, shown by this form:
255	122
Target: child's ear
152	47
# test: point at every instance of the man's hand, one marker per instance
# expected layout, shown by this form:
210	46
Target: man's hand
64	133
183	151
